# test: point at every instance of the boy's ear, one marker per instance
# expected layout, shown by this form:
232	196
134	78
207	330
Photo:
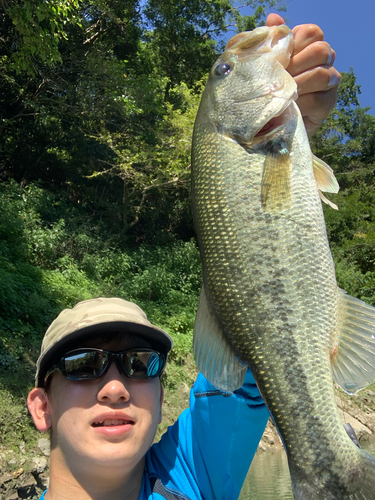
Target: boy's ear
40	408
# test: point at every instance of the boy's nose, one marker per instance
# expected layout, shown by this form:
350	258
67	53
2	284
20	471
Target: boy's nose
113	386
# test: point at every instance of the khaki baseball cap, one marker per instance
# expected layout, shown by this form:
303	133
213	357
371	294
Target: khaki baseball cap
94	317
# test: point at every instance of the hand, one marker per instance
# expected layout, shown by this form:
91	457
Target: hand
311	65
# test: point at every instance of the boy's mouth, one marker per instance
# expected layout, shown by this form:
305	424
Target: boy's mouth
112	422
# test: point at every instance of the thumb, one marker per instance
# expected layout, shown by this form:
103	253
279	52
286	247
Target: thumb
274	20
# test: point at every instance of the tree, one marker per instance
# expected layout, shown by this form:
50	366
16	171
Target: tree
106	111
32	31
346	142
184	38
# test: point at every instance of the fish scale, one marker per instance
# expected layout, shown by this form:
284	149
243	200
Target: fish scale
270	299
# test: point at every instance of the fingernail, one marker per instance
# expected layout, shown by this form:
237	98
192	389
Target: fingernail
334	80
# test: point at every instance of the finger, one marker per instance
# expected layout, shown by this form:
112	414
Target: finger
274	20
316	54
317	79
315	107
306	34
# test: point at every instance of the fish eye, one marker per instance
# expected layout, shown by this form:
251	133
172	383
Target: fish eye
223	69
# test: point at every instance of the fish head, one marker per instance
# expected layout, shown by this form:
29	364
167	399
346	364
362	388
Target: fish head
248	85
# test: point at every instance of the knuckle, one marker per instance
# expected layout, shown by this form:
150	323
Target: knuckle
325	76
322	52
326	52
313	32
334	78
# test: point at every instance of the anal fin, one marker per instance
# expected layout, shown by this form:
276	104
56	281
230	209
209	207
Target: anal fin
353	355
213	354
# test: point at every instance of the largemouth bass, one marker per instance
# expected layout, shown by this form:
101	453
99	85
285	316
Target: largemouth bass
270	299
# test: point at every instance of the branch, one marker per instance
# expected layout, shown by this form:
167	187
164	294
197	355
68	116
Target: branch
95	35
167	183
143	200
138	210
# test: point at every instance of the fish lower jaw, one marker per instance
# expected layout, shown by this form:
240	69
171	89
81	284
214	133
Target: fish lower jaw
275	124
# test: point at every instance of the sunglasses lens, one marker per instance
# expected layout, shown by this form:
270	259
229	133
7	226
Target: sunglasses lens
143	364
84	364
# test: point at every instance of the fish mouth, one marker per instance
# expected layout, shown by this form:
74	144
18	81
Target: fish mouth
276	122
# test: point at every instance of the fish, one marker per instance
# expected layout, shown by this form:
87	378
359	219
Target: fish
270	299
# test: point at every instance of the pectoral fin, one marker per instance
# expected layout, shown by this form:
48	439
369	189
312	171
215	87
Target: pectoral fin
326	200
353	352
275	190
213	354
325	179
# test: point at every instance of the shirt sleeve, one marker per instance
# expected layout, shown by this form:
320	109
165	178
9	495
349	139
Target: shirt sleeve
208	451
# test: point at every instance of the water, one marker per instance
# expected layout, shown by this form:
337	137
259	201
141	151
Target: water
269	479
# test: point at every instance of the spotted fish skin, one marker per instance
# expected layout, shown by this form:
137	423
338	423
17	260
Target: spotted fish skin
270	296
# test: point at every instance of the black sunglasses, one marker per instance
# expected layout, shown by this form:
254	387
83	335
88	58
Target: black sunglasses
90	363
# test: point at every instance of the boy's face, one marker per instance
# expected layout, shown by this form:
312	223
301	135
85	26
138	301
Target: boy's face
110	421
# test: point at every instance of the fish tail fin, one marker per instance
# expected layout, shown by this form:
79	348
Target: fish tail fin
357	483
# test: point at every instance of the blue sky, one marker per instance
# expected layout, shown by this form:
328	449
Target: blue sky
349	27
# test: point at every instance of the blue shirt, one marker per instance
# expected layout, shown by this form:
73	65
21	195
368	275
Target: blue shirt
206	454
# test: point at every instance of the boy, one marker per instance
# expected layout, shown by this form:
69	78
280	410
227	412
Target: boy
98	390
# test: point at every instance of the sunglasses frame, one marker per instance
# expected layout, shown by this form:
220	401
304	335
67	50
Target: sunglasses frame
112	356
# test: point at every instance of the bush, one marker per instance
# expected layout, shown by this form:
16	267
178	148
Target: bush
49	261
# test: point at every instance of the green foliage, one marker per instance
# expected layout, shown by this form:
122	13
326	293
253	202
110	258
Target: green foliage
50	261
52	256
346	142
181	37
35	31
347	136
105	108
248	23
15	426
184	37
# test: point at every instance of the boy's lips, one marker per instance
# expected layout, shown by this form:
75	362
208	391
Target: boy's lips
114	419
112	422
113	425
